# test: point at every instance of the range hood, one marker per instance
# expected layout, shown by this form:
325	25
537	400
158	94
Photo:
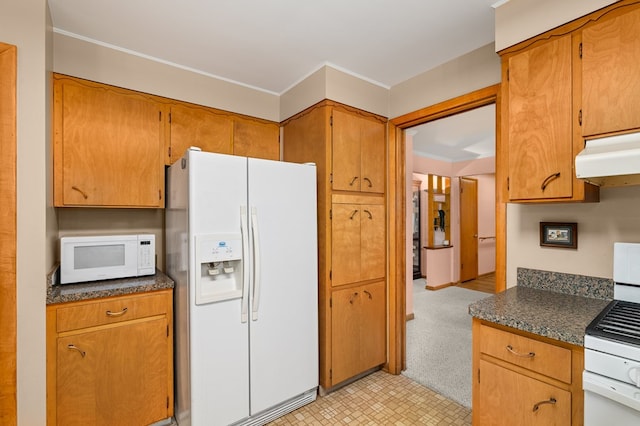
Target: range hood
610	161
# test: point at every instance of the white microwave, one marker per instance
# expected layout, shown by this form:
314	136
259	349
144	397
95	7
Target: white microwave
106	257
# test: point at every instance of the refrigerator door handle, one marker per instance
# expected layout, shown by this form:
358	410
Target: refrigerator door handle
245	263
256	263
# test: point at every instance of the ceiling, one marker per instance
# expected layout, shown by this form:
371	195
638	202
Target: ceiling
271	45
466	136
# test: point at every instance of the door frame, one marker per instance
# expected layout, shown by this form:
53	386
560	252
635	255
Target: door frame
396	179
8	233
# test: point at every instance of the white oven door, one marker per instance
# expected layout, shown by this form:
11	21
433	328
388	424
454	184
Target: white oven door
607	401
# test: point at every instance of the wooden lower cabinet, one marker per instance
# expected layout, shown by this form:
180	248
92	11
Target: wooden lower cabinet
510	398
110	362
358	330
523	379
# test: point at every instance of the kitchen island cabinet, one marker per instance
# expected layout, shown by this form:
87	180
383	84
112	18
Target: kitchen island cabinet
110	360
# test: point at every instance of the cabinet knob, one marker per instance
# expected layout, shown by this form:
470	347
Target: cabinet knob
548	401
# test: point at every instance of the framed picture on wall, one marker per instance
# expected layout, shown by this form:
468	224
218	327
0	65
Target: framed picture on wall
557	234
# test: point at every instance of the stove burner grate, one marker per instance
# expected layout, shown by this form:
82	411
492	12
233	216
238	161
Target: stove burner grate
620	320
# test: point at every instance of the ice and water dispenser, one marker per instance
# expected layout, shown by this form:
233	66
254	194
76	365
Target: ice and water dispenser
220	274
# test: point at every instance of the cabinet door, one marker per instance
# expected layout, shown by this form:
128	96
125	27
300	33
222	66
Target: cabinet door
610	69
373	338
373	154
508	398
372	241
205	128
540	133
346	151
113	376
346	323
105	139
345	243
257	139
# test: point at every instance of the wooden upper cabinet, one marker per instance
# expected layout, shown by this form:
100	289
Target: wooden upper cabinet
205	128
358	152
105	139
256	138
539	116
610	70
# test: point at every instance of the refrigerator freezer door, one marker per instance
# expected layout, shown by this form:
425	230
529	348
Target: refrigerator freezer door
219	340
284	322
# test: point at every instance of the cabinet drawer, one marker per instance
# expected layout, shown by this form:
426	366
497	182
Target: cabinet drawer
541	357
90	314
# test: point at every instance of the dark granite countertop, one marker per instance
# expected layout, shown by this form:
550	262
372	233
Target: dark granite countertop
556	305
60	293
547	313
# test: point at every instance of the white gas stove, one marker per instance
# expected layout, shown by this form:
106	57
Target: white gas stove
611	379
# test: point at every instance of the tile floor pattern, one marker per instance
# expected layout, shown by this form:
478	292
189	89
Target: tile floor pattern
380	399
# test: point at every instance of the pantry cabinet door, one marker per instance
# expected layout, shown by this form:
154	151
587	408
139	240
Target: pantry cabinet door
610	69
346	323
373	337
346	151
373	242
372	144
345	243
540	132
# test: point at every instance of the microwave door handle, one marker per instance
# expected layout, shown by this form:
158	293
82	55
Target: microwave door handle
256	263
245	263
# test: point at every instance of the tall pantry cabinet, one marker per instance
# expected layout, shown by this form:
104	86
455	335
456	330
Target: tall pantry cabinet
348	147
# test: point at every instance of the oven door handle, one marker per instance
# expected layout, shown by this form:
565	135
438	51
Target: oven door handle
614	390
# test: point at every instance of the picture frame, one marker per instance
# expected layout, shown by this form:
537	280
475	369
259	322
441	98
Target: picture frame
559	234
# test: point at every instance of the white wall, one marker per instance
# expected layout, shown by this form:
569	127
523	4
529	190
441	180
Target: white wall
25	23
614	218
475	70
518	20
91	61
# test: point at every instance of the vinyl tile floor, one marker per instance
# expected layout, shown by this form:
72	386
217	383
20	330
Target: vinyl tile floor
380	399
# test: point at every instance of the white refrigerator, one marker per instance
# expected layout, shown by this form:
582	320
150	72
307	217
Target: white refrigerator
241	243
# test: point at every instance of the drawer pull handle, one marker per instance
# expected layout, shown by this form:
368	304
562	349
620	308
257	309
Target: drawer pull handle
549	401
355	178
75	348
353	214
529	355
353	297
117	314
369	181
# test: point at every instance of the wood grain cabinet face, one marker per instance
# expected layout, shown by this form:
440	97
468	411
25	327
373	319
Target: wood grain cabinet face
110	361
358	324
200	127
539	116
358	243
358	153
524	379
510	399
105	139
255	138
610	69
